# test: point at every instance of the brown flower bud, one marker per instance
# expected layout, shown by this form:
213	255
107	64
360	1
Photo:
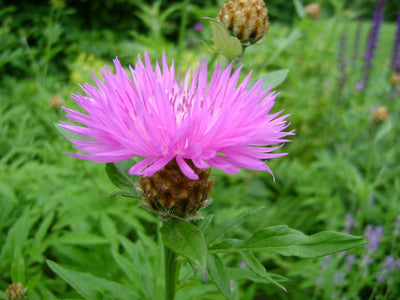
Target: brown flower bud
55	102
245	19
171	194
15	291
380	114
313	10
394	79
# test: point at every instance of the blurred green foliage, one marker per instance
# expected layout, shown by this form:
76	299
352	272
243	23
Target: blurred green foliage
340	162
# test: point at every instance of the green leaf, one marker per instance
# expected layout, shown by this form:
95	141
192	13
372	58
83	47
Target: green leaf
128	245
218	273
109	230
384	130
3	295
227	44
17	236
18	267
255	266
205	223
92	287
142	263
231	224
80	239
187	240
299	8
290	242
274	78
43	229
118	174
126	266
247	274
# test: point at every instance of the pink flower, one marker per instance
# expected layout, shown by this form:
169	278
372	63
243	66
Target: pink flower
154	115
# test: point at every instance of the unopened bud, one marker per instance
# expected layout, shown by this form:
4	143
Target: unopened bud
313	10
394	79
55	102
380	114
171	194
245	19
16	291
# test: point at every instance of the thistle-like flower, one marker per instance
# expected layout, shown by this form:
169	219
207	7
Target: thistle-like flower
380	114
179	127
245	19
313	10
16	291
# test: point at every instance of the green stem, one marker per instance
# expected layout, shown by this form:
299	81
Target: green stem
182	27
171	272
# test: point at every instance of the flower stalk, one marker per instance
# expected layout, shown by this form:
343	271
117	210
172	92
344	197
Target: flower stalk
171	273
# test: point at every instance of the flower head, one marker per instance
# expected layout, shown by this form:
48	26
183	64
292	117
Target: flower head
16	291
373	234
245	19
313	10
153	114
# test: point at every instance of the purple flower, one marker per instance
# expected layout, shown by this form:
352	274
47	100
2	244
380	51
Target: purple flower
372	41
373	235
223	123
319	280
198	27
326	262
366	259
338	279
395	63
350	259
360	86
389	265
348	223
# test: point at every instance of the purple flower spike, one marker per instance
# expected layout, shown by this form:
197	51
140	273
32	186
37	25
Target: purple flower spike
395	64
373	235
390	265
372	41
220	123
348	223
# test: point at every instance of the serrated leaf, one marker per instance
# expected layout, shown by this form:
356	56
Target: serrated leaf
126	266
274	78
118	174
92	287
187	240
218	273
231	224
286	241
255	266
227	44
247	274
